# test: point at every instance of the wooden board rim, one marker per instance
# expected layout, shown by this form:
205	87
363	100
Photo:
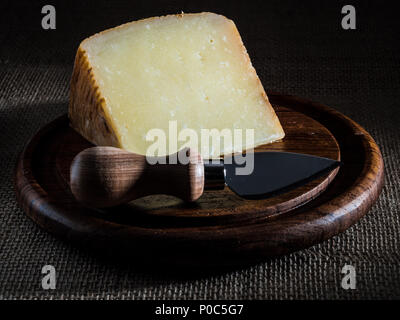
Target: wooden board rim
262	239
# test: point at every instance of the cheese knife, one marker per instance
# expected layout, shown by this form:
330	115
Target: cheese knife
108	176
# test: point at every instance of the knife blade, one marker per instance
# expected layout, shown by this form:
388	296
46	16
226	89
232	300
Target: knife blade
273	173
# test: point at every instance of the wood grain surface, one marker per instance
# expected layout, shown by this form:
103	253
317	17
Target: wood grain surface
303	135
220	228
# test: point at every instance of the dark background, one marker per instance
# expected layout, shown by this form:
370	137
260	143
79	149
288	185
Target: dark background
297	47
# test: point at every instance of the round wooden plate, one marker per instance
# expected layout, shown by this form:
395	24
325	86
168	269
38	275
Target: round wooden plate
220	228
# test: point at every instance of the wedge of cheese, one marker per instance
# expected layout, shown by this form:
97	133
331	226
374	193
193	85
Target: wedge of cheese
188	70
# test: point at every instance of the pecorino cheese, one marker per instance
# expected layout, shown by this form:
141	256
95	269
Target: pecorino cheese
189	69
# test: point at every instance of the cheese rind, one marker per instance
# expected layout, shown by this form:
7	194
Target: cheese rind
191	68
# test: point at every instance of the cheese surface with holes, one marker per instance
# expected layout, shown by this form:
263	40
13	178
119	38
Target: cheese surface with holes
189	69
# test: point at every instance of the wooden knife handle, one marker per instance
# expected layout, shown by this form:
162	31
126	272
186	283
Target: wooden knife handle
107	176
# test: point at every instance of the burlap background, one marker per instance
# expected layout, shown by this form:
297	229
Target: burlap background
297	48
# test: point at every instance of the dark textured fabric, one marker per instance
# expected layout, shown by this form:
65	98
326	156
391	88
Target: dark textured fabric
297	48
